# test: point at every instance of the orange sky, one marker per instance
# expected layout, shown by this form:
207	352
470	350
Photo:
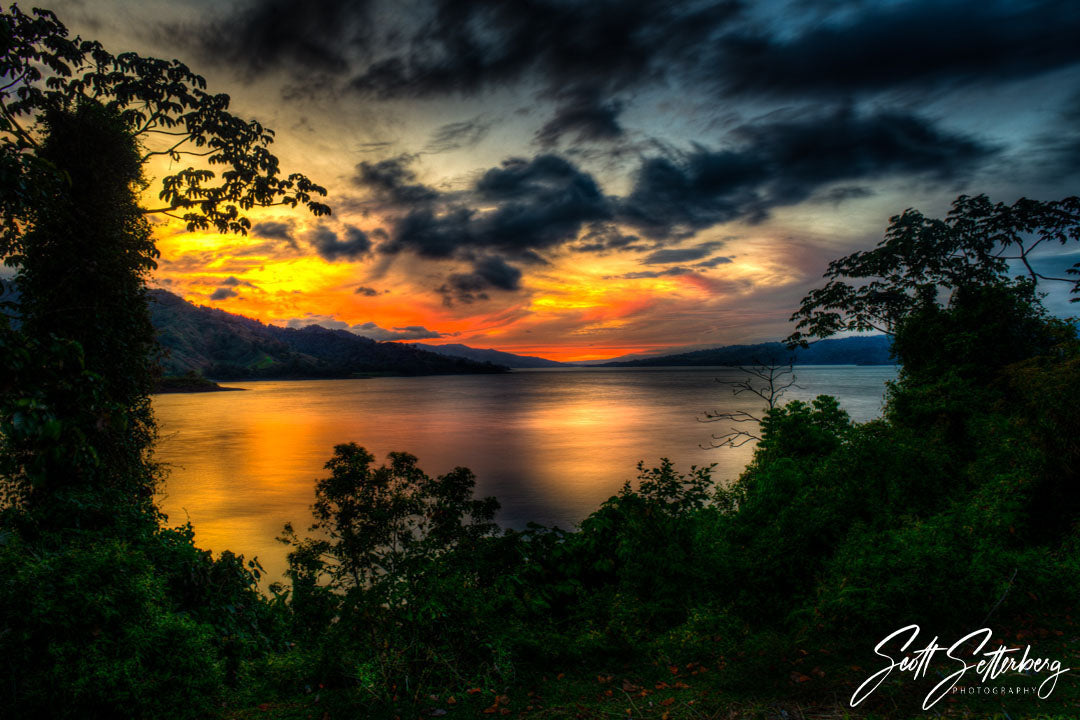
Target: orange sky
573	309
731	183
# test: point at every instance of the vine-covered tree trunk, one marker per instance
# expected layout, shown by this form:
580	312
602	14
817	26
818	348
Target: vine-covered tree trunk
84	259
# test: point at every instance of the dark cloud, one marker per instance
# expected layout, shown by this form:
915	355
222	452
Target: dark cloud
1055	153
651	273
835	196
326	243
784	162
274	231
497	273
527	206
446	47
261	35
409	332
392	182
223	292
536	204
487	273
431	235
458	135
603	237
233	281
679	254
713	262
468	46
366	291
587	115
915	44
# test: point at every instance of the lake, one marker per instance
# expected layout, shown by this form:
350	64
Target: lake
551	444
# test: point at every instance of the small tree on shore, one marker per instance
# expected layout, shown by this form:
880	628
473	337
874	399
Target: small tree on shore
769	381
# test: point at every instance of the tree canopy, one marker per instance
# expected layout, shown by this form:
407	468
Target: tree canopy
979	243
162	103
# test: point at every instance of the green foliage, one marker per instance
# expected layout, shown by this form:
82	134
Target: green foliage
232	347
962	493
923	258
65	445
396	585
86	631
82	261
161	103
103	612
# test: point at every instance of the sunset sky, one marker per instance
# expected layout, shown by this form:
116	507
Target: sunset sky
582	180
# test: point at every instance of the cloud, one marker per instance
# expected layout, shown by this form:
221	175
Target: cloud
409	332
233	281
458	135
326	321
261	35
393	183
585	114
223	292
366	291
785	161
274	231
713	262
330	248
534	205
487	273
881	46
837	195
672	271
679	254
602	237
469	46
1055	154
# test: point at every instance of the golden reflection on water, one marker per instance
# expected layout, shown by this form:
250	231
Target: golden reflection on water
551	445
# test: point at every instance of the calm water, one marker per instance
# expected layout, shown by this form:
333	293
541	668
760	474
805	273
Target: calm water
550	444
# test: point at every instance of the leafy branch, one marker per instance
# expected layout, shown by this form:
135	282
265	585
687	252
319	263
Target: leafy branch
163	104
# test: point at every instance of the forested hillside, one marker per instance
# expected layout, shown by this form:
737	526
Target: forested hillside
872	350
225	346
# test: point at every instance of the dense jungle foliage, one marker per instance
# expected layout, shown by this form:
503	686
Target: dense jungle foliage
684	595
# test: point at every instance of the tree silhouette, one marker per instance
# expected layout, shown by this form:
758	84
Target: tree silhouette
921	259
769	381
161	103
78	126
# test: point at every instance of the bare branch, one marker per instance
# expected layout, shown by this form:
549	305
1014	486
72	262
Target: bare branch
768	381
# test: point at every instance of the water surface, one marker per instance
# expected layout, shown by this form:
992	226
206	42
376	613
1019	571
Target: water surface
551	444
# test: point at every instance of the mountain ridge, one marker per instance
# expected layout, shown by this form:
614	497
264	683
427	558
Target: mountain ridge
498	357
859	350
226	346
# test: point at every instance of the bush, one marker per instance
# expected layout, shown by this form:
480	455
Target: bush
86	632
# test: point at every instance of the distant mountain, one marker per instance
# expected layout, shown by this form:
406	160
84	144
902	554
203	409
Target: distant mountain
867	350
224	346
496	357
